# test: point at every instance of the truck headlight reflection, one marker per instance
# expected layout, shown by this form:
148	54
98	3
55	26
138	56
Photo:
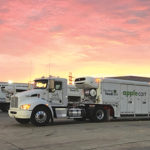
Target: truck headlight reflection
25	106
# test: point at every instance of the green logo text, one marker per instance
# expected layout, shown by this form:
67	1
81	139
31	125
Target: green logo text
133	93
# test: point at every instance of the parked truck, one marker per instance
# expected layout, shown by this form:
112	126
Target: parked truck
50	98
7	90
101	100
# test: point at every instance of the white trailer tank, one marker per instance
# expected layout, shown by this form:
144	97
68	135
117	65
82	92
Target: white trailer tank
126	98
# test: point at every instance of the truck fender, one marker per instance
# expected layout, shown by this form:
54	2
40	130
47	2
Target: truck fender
49	108
37	102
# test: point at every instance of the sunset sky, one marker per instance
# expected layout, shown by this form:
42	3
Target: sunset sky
86	37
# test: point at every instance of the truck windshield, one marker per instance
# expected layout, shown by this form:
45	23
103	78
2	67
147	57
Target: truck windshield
40	84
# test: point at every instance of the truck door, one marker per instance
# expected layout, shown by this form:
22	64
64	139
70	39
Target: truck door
124	100
131	99
138	101
56	95
144	100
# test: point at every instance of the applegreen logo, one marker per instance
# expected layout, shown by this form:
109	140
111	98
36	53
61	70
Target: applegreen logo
133	93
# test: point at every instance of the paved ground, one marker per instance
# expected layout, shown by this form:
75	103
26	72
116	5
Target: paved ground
71	135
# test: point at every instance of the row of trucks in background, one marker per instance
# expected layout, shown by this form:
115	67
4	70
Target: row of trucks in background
96	99
7	90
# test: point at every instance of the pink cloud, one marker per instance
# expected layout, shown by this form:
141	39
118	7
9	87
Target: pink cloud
93	30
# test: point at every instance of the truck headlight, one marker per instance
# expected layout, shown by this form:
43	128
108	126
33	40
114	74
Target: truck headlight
25	106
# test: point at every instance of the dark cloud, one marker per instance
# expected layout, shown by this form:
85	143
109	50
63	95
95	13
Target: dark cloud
37	15
3	2
2	21
143	1
132	21
141	14
4	10
56	28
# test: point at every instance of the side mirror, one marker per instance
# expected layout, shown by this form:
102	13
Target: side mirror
51	86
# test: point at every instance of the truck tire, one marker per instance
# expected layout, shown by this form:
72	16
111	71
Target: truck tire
22	121
40	116
99	115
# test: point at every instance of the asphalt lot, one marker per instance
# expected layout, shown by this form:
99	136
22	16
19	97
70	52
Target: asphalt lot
72	135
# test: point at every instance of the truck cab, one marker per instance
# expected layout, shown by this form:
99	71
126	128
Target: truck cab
46	101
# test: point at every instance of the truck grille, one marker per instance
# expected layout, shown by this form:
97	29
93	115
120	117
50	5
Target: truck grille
14	102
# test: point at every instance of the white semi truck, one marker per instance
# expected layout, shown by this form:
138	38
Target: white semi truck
7	90
50	98
103	98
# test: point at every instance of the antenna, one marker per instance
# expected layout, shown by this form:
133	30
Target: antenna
30	74
49	67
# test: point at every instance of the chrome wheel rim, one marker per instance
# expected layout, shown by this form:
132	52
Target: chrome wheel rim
40	116
100	114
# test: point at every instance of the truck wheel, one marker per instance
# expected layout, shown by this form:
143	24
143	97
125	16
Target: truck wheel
99	115
22	121
40	116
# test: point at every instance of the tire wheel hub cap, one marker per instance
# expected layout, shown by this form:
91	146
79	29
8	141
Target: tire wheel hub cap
40	116
99	114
